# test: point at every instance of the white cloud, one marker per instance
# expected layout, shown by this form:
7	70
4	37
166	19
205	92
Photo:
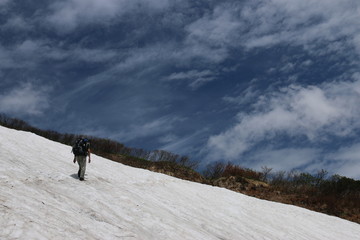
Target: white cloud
252	129
312	112
70	14
25	100
211	36
265	23
301	22
319	27
216	29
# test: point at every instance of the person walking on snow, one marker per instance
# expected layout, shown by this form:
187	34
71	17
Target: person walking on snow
81	150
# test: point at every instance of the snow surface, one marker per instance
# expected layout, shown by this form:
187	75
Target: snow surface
41	198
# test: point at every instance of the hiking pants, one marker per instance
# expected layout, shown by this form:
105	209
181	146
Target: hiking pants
82	165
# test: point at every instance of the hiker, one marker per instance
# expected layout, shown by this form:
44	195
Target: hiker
81	149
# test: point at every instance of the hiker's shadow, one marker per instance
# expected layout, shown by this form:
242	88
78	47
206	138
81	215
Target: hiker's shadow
74	176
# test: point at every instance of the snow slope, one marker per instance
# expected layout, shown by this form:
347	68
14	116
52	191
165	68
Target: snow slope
40	198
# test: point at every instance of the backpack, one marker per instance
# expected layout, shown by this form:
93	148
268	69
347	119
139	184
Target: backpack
81	147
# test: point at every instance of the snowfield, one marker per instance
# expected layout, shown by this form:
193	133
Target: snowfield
41	198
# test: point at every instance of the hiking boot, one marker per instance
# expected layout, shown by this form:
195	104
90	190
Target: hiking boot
81	179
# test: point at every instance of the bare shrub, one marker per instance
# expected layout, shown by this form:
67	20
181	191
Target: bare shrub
265	173
214	170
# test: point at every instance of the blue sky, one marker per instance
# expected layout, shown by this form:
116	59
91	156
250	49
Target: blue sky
259	83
